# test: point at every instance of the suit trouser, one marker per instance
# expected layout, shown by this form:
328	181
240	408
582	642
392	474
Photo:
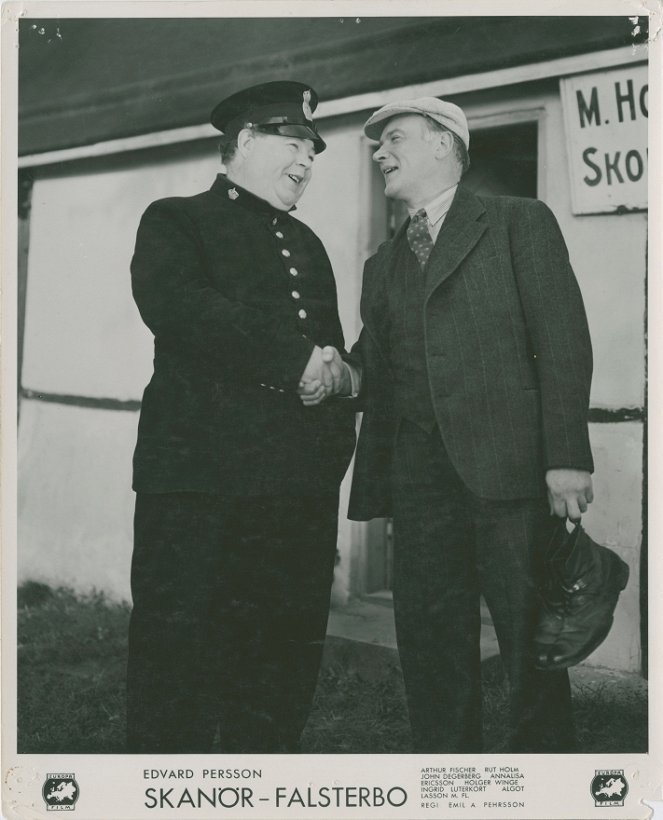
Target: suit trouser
230	605
450	547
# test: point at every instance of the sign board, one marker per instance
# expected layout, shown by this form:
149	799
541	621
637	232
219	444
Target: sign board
605	117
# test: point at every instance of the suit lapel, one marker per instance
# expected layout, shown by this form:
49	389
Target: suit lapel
378	276
459	234
380	272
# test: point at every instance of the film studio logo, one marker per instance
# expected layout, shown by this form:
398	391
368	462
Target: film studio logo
609	787
60	792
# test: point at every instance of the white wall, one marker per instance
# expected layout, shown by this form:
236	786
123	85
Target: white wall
608	253
608	256
75	505
84	337
615	520
83	334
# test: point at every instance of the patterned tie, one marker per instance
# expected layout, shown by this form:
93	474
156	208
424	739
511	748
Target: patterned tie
419	238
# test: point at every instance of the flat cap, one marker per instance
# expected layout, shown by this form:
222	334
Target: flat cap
283	108
446	113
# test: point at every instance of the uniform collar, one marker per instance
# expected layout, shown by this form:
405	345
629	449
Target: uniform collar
439	206
226	189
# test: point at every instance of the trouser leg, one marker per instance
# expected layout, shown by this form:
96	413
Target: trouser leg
177	543
230	607
449	544
282	575
510	537
436	597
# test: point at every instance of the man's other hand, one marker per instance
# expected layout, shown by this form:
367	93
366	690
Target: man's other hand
569	492
316	381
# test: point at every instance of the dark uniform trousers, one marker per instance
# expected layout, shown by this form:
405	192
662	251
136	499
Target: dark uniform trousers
450	547
231	596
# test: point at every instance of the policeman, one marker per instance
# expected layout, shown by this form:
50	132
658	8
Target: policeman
236	480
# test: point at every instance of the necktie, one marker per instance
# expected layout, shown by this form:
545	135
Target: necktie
419	238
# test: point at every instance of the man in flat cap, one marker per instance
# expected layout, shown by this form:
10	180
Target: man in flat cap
237	482
475	362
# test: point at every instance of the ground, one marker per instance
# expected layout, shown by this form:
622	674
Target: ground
71	667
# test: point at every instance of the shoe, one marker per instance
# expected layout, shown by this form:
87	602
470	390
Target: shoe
579	596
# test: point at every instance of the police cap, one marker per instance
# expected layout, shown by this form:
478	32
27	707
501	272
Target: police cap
283	108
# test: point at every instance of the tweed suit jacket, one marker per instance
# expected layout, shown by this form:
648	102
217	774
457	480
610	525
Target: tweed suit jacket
234	328
507	350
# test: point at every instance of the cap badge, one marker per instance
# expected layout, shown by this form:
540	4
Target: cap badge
306	105
233	193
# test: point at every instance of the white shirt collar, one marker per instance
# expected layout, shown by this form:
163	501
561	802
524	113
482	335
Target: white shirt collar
438	207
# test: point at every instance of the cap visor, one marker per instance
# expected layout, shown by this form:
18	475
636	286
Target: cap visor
302	132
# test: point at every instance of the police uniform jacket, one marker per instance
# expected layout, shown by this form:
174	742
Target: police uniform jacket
507	353
236	293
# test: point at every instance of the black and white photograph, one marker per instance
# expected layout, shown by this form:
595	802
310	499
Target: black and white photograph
328	409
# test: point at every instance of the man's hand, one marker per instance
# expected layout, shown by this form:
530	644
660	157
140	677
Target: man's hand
316	380
325	375
569	492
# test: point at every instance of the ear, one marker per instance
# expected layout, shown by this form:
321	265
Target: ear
245	141
445	144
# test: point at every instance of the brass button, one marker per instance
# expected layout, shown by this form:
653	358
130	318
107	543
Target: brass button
279	235
302	314
294	272
296	295
285	252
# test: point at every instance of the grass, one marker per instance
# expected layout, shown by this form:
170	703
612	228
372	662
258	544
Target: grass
611	717
71	667
354	716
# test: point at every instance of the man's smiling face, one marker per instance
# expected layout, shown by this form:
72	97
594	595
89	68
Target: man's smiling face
278	168
407	158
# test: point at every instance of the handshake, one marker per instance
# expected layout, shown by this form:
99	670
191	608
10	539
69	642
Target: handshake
326	374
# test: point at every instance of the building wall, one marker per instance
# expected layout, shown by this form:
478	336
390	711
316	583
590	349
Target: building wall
83	337
608	252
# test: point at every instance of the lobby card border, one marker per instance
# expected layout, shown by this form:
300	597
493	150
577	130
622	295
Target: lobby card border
557	786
